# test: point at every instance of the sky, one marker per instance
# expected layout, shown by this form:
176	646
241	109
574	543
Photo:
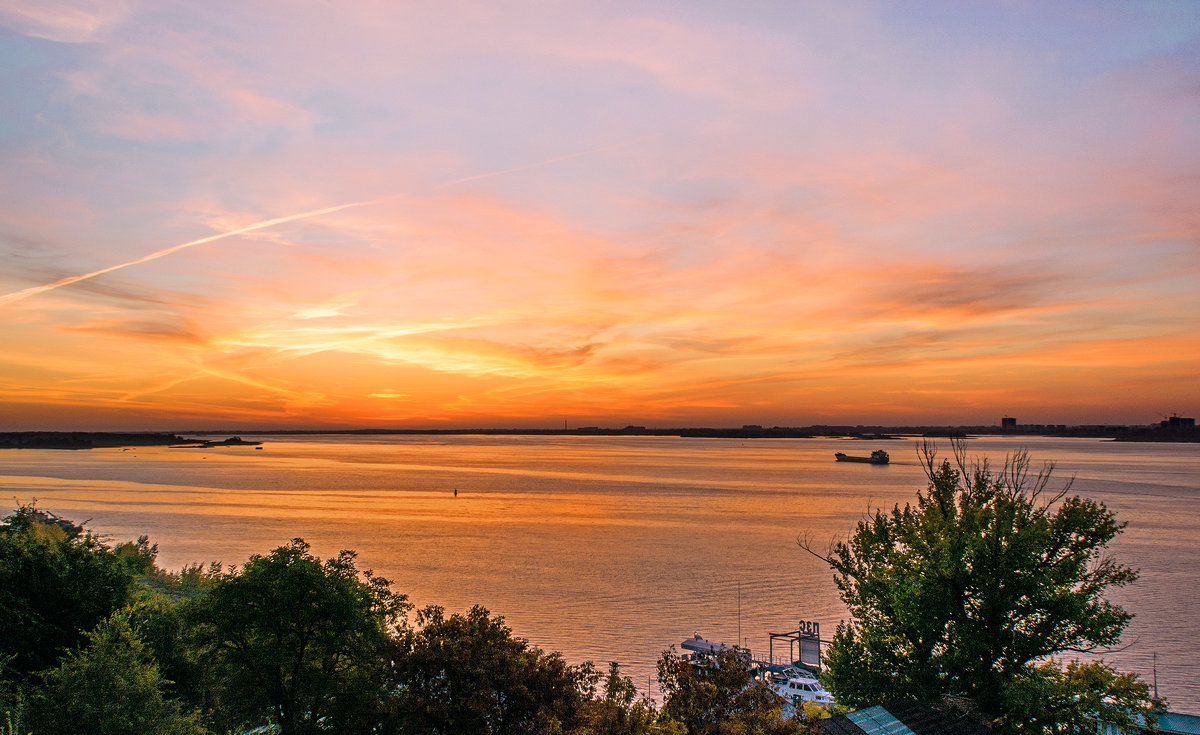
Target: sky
518	214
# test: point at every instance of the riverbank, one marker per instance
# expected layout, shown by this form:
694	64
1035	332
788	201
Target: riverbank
88	439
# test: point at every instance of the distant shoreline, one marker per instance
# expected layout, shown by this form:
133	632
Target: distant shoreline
1147	433
108	440
105	439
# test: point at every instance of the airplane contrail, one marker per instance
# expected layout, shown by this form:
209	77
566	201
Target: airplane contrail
25	293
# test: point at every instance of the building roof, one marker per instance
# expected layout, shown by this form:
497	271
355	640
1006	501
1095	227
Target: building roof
1177	722
1169	723
903	718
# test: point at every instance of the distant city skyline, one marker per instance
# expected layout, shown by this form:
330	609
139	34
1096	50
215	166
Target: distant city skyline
472	214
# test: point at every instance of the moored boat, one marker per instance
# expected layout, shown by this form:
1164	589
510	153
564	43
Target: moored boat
796	684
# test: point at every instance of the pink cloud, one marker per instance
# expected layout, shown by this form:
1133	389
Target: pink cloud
77	21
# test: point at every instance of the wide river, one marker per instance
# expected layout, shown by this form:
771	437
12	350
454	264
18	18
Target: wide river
611	548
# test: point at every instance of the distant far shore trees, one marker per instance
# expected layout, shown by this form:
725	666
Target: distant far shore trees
96	638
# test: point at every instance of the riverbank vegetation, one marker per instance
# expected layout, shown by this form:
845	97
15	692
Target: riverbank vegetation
96	638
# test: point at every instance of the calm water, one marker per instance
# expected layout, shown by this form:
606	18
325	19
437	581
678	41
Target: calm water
608	549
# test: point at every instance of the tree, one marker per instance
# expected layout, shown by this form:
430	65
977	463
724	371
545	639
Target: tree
619	711
468	673
57	581
162	624
112	687
1082	697
299	641
973	590
721	697
139	556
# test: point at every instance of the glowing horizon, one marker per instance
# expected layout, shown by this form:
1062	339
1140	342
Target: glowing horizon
845	213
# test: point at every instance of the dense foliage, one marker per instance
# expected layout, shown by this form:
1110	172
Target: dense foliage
113	687
467	673
619	711
99	639
973	590
296	641
57	581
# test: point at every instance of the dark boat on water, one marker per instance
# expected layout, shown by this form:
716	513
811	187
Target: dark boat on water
233	441
877	457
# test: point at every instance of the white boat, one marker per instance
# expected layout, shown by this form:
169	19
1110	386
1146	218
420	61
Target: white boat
796	684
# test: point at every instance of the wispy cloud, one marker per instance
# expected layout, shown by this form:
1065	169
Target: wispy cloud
79	21
163	329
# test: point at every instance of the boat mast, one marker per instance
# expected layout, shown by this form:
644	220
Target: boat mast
739	611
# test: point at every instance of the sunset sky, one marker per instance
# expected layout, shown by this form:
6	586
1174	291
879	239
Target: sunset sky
431	214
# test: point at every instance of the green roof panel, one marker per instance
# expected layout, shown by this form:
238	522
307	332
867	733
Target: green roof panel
878	721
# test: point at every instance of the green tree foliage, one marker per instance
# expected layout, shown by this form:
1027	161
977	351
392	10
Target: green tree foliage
57	581
299	645
1079	698
973	589
298	642
189	675
468	673
619	711
721	697
113	687
139	556
12	704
